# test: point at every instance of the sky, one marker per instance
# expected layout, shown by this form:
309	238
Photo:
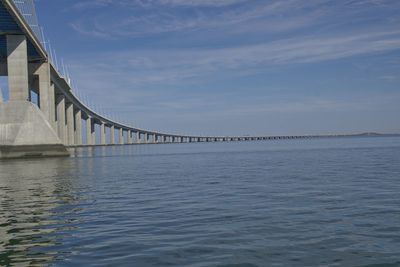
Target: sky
234	67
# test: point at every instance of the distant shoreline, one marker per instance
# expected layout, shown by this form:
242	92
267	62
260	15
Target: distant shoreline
366	135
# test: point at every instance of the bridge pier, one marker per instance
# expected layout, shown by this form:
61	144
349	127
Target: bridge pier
121	136
61	124
137	137
78	127
89	131
112	134
93	131
17	67
70	124
103	133
129	137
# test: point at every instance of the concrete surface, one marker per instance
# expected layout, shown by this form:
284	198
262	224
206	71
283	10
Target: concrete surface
17	65
25	132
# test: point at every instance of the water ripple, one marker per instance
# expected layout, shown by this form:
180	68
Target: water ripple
328	202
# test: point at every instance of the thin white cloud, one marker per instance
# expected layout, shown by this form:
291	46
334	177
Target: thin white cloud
170	66
146	17
84	4
209	3
156	19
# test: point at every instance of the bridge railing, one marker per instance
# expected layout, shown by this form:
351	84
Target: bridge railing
28	11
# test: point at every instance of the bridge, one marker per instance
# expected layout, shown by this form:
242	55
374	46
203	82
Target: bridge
58	119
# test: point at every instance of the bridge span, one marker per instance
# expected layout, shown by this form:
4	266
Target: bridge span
56	121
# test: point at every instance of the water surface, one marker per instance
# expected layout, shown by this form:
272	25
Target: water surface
317	202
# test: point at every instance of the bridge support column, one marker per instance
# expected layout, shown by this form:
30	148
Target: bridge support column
17	67
52	99
93	129
129	137
46	92
102	133
121	136
145	138
89	125
61	126
138	137
78	128
112	135
70	124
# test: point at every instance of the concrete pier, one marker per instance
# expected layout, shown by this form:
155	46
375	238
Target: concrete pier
78	127
130	137
102	133
121	136
46	94
112	135
70	124
17	67
89	131
52	100
93	131
61	125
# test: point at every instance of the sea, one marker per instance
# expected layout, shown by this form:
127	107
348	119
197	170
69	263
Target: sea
305	202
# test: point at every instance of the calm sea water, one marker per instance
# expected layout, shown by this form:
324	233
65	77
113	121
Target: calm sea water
321	202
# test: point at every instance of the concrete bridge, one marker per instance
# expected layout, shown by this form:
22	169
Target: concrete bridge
55	122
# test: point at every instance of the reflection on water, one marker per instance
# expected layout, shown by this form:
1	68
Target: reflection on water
35	196
327	202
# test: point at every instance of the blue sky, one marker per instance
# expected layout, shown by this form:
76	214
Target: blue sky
234	66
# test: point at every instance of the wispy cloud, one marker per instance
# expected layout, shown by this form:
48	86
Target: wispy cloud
149	17
170	66
208	3
151	3
135	18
